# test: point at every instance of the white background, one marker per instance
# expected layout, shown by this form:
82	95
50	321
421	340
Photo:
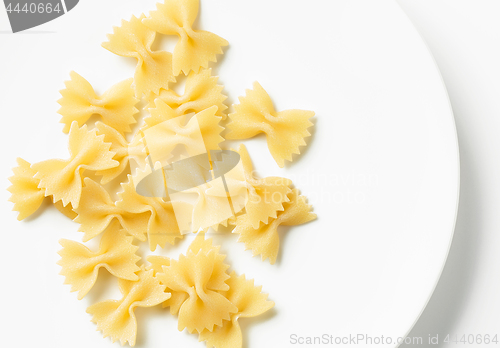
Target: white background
464	37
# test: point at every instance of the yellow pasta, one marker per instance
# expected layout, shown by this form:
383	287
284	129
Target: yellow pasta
285	130
264	240
162	225
156	264
81	266
63	178
154	68
116	318
159	112
266	196
26	195
180	179
66	210
250	303
195	48
200	92
199	135
199	276
122	149
199	244
116	106
96	211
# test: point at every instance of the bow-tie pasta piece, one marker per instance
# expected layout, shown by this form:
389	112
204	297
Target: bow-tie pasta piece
154	68
81	266
200	277
116	318
195	48
200	92
162	225
200	243
264	240
265	196
26	195
159	112
200	135
96	211
209	209
122	149
285	130
116	106
63	178
177	298
250	301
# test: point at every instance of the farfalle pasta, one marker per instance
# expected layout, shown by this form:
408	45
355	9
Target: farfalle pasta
154	68
199	135
285	130
266	196
116	318
27	196
250	302
200	244
180	179
63	178
195	48
201	276
97	210
81	266
25	193
162	225
200	92
264	240
116	106
123	151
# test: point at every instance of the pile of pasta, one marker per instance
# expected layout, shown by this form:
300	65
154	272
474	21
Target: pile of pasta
198	288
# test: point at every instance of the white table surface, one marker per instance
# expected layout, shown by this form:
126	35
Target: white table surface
464	37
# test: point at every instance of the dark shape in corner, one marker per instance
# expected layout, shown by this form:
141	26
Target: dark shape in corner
26	14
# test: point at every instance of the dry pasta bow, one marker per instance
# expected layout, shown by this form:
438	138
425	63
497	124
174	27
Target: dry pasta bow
285	130
200	276
123	150
199	135
264	240
250	303
159	112
116	106
199	244
116	318
162	225
63	178
26	195
195	48
154	68
200	92
266	196
96	211
81	266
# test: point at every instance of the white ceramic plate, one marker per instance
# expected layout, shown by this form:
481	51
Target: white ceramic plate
381	168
